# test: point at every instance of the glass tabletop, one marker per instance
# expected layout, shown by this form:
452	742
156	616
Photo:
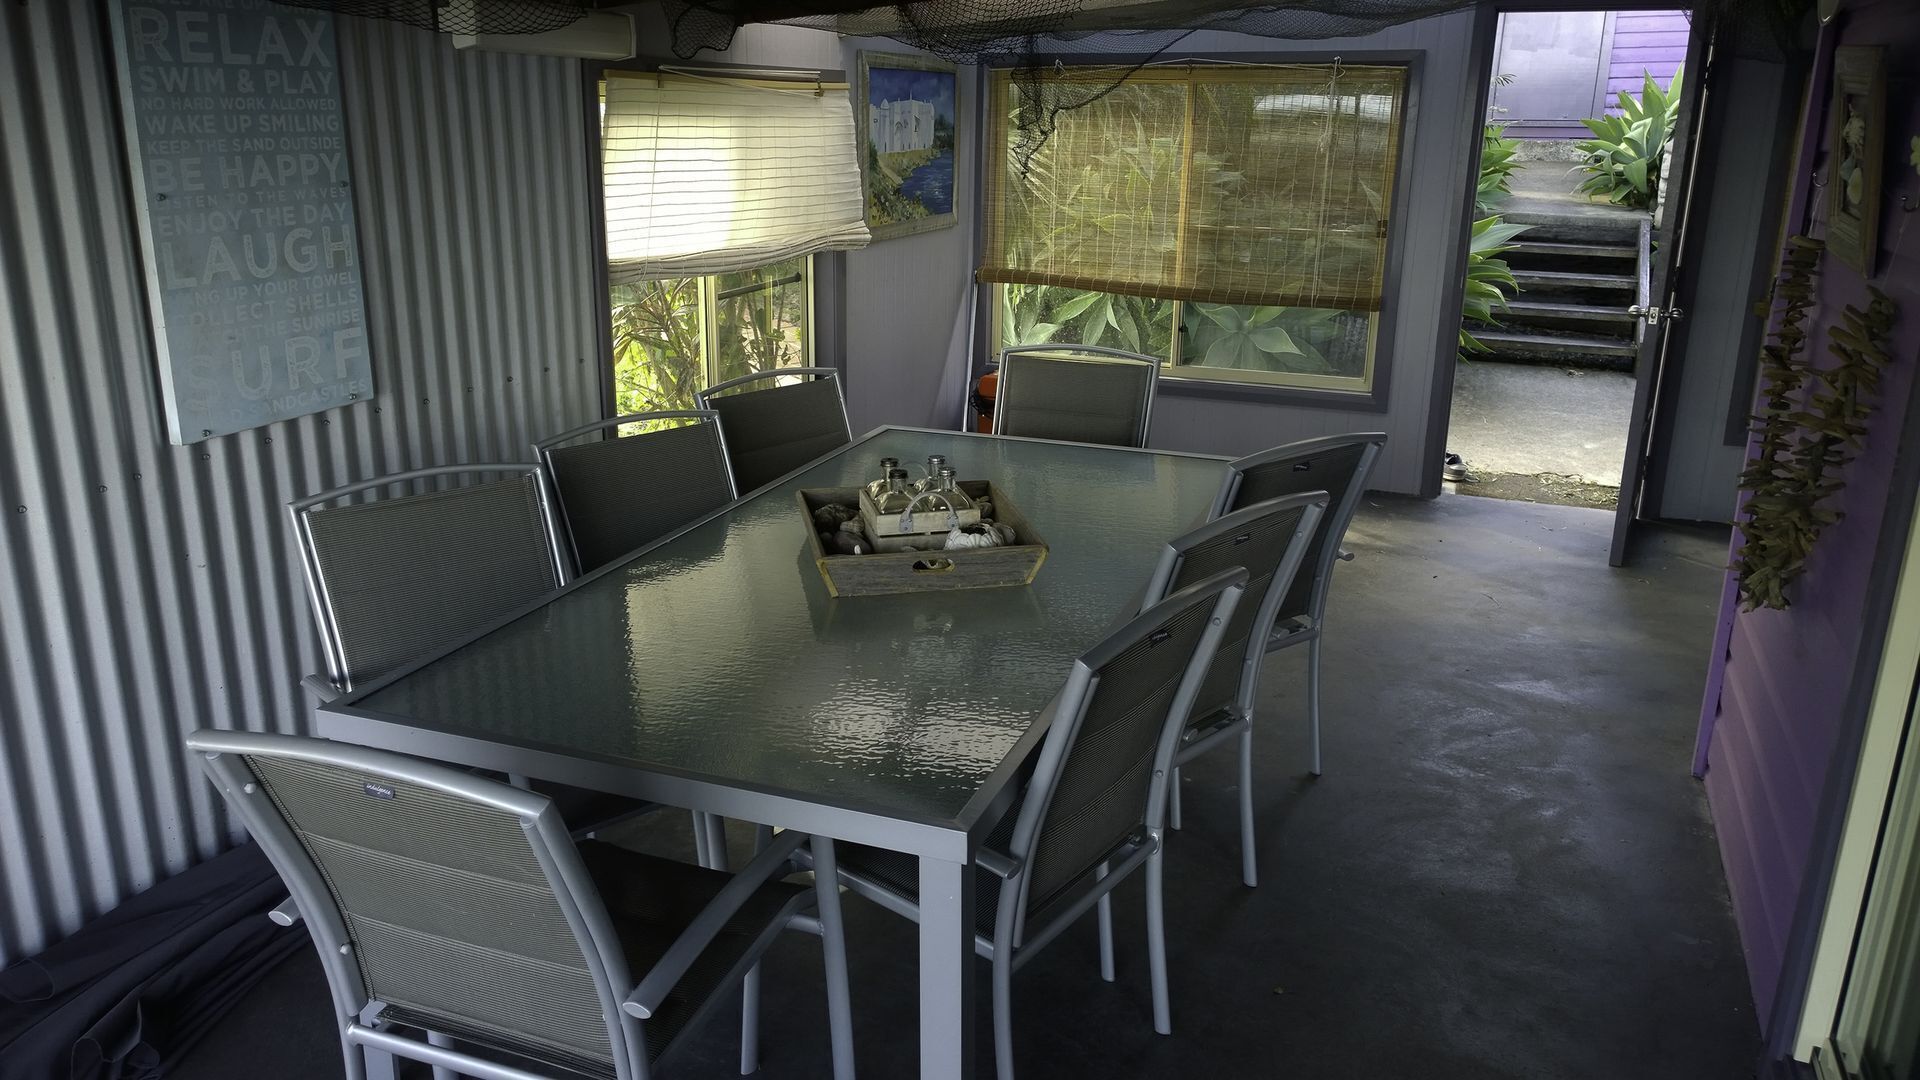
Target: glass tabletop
720	655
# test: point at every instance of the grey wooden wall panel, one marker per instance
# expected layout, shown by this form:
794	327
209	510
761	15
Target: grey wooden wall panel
148	589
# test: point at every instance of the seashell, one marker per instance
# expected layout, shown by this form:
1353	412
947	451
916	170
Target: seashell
1004	532
984	505
830	515
854	528
972	536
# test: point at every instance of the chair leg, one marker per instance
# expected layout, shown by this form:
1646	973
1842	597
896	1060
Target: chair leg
354	1058
833	944
1313	704
1173	802
750	1022
1157	944
1003	1010
379	1064
1247	872
1106	926
445	1042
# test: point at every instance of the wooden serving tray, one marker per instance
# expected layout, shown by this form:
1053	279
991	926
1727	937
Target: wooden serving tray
882	573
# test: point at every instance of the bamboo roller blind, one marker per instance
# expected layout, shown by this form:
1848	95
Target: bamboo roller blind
709	176
1221	184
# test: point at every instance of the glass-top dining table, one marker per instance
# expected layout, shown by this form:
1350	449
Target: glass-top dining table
713	671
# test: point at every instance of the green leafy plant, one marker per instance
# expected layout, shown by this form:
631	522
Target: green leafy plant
656	345
1497	166
1488	278
1810	425
1626	153
1249	337
1043	314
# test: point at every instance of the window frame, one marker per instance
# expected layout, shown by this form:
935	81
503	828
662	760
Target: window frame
1174	380
826	270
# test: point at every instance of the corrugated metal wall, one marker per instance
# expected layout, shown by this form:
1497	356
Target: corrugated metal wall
149	589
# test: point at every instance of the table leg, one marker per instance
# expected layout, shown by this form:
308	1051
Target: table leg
946	970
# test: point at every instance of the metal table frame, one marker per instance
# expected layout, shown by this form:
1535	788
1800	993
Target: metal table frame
945	848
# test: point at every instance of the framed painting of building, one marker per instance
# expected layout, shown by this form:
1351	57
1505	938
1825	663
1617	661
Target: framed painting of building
905	120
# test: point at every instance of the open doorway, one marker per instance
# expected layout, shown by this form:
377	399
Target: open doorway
1582	110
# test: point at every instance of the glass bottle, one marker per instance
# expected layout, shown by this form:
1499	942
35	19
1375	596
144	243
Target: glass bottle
957	500
935	462
879	487
897	496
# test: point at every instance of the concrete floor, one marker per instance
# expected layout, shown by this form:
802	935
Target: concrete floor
1529	419
1506	871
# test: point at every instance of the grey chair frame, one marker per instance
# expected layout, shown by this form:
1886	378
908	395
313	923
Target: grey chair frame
369	1044
1335	524
338	679
1238	722
1013	943
1093	352
560	527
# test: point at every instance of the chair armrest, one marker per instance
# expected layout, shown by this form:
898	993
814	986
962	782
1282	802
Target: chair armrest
998	863
665	975
286	913
320	687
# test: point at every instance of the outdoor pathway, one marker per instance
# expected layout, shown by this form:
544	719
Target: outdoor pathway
1530	420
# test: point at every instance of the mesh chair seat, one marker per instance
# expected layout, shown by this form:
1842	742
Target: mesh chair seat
620	494
1104	400
774	431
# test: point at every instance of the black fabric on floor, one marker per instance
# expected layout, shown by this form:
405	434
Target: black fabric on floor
129	994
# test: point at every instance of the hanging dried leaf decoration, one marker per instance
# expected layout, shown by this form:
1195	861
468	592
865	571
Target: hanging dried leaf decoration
1811	423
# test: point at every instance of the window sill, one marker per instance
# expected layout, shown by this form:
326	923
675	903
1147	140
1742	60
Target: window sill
1264	394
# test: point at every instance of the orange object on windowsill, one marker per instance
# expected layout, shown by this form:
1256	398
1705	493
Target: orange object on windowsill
983	392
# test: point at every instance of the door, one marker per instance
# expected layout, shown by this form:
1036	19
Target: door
1656	302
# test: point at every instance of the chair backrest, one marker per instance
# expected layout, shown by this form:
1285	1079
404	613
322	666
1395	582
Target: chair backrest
774	429
1075	393
1338	465
1101	775
1270	541
618	493
394	578
458	902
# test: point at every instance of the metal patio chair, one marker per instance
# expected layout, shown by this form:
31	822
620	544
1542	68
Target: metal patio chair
776	429
454	912
1075	393
400	577
1269	540
1092	810
1338	465
622	492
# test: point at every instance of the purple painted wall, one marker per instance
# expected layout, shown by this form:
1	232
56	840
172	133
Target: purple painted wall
1645	43
1769	726
1566	65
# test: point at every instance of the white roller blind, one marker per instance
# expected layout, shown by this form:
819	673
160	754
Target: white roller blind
707	176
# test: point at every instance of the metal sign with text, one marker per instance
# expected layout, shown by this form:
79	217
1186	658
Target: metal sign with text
238	148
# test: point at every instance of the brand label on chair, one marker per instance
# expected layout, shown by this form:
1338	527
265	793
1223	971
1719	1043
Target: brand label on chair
238	149
378	791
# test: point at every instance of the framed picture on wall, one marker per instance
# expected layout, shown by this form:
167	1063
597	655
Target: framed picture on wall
1856	150
904	118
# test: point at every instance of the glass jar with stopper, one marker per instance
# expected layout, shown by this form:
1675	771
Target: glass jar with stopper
931	482
879	487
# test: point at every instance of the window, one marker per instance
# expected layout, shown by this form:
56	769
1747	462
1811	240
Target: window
673	337
718	191
1228	219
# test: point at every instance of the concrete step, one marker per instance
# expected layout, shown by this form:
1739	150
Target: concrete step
1574	281
1527	245
1542	309
1576	348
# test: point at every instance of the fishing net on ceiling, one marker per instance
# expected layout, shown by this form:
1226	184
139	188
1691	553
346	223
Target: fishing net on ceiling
1029	36
462	16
